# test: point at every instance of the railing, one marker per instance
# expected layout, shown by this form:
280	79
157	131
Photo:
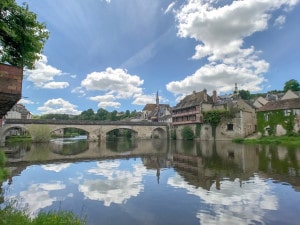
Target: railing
185	122
185	114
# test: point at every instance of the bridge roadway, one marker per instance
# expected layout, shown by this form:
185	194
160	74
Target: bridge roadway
96	130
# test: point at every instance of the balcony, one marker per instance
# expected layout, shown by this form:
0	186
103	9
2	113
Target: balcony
185	122
185	114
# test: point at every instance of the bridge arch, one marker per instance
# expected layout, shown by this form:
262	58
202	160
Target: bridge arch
59	130
134	132
11	130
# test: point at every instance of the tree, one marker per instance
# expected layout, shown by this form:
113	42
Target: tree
22	37
292	85
245	94
187	133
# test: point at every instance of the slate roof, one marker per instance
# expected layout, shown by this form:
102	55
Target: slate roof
194	99
293	103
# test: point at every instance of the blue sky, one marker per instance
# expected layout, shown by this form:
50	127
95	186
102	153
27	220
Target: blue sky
116	54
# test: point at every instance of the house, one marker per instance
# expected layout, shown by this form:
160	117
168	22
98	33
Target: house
18	111
241	124
190	109
280	117
190	112
157	112
259	102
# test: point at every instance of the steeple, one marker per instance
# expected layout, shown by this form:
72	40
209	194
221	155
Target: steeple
236	91
157	99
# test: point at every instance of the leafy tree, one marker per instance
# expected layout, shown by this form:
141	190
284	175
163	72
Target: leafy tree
102	114
292	85
187	133
39	133
245	94
22	37
87	115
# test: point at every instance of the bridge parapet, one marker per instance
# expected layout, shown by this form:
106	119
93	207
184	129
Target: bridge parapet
96	130
83	122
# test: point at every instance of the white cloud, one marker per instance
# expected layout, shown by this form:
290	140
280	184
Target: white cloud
109	104
144	99
58	106
78	90
116	81
43	75
279	21
56	85
170	7
25	101
220	31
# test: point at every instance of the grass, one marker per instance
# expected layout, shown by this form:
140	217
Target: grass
3	170
281	140
11	216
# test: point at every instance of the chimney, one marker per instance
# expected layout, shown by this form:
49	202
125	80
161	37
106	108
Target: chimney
215	97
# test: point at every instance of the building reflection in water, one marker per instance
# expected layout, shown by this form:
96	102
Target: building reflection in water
200	163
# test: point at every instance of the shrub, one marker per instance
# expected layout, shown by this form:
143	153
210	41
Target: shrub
187	133
40	133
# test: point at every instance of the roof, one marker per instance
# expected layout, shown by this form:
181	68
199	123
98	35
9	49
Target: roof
293	103
151	107
194	99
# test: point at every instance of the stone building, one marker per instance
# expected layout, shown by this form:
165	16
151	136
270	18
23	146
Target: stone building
189	112
157	112
18	111
274	117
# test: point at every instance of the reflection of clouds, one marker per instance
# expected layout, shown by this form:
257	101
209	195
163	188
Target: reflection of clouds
37	196
56	167
234	203
114	185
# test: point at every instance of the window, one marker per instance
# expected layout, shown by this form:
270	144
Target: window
230	126
266	117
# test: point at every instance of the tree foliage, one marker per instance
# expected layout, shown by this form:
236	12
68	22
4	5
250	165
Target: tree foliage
22	37
187	133
39	133
292	85
245	94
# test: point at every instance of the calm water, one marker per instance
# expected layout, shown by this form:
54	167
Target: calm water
155	182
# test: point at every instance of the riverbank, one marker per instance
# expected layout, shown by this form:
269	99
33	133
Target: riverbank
277	140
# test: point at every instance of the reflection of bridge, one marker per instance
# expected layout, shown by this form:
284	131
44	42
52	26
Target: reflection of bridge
96	130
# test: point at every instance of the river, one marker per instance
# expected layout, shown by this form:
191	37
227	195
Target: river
157	181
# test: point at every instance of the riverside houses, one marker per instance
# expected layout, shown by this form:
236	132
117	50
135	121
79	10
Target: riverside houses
279	117
189	112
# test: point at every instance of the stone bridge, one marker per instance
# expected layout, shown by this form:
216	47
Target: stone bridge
96	130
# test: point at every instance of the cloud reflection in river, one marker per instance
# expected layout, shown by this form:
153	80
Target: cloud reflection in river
37	196
56	167
113	184
233	202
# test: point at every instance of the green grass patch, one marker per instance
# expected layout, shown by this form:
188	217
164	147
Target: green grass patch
17	139
11	216
3	170
271	140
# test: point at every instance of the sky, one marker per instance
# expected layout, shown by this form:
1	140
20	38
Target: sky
118	54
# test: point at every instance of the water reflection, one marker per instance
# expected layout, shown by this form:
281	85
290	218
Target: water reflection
174	182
